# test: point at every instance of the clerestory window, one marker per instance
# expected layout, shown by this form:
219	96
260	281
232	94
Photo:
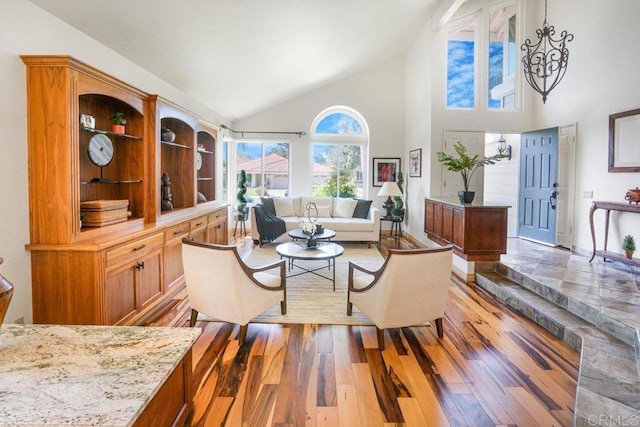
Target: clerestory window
491	33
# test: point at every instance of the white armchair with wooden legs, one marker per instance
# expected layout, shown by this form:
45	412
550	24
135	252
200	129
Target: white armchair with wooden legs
410	288
221	286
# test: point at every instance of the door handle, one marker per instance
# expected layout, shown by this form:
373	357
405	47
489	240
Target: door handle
553	197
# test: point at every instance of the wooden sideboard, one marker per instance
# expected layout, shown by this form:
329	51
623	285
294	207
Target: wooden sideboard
477	232
608	207
123	270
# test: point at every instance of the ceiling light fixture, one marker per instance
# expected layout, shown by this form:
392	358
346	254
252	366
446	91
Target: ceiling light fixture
545	61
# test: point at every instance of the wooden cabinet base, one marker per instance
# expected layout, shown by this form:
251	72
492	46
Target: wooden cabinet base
123	280
477	233
173	403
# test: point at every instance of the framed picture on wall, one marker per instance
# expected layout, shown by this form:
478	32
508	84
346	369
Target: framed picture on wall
385	170
415	162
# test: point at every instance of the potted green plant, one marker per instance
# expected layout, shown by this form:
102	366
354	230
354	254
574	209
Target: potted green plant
119	120
628	245
398	209
241	206
467	166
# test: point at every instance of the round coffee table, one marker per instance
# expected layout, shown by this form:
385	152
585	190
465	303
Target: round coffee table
326	234
324	251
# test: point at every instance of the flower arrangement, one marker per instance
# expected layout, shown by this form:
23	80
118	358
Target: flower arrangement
308	227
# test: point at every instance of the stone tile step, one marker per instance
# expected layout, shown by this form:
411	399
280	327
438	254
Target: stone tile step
603	320
609	379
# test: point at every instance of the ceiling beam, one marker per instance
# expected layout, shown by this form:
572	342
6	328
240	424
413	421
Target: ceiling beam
445	11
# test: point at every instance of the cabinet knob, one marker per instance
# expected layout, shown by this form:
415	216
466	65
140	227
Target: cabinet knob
140	266
199	224
140	247
175	233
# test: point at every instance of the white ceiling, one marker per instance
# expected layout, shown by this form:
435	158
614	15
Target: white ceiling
239	57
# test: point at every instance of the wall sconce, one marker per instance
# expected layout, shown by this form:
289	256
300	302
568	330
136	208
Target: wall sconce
503	148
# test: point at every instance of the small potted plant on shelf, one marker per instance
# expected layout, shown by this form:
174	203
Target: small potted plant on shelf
628	245
119	121
467	166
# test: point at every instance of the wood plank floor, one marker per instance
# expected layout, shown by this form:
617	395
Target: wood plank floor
493	367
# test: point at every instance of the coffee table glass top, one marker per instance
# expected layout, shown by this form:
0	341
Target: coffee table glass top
323	250
325	235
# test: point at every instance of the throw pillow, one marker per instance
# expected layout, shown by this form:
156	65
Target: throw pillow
268	205
324	211
362	209
345	207
284	206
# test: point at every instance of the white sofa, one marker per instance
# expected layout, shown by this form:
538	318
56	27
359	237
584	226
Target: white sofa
332	214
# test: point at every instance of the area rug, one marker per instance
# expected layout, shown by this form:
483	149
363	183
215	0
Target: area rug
311	299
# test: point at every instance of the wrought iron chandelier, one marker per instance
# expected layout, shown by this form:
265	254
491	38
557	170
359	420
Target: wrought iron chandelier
545	62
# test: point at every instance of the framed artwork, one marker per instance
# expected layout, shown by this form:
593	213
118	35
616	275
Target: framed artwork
415	162
385	170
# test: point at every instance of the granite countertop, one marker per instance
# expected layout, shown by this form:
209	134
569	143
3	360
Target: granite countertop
85	375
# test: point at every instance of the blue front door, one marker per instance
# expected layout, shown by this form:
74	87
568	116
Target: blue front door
538	185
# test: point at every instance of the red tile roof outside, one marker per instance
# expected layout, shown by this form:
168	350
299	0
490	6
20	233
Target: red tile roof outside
276	164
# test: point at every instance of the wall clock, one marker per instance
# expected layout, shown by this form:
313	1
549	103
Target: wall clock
100	150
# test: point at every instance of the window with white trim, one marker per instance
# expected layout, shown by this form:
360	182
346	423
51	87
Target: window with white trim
339	136
482	59
267	166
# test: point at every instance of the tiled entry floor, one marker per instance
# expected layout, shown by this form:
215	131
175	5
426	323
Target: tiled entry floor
612	291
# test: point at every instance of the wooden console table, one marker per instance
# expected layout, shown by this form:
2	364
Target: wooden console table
608	207
477	232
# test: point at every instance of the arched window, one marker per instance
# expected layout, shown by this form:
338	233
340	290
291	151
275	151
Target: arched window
340	138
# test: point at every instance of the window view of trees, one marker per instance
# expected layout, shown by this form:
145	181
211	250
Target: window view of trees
337	170
267	167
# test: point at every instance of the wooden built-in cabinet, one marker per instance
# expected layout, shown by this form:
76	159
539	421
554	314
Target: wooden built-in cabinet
477	232
122	272
206	162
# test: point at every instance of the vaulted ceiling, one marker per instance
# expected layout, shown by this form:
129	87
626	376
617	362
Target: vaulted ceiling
239	57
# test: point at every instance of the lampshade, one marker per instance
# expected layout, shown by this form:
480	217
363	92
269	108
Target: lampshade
390	189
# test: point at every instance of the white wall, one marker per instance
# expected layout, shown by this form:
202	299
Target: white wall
501	180
27	29
418	127
602	78
377	93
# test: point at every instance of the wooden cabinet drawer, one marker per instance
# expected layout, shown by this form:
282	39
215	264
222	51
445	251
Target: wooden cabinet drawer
178	231
218	216
134	250
200	222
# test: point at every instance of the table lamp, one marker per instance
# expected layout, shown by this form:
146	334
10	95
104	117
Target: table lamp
389	189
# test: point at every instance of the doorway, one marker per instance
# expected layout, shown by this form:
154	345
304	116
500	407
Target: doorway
547	186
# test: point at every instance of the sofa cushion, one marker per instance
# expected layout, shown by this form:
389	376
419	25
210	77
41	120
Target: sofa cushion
347	224
324	211
344	208
362	209
268	205
284	206
319	201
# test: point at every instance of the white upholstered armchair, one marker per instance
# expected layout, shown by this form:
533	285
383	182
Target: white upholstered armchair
220	285
409	289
